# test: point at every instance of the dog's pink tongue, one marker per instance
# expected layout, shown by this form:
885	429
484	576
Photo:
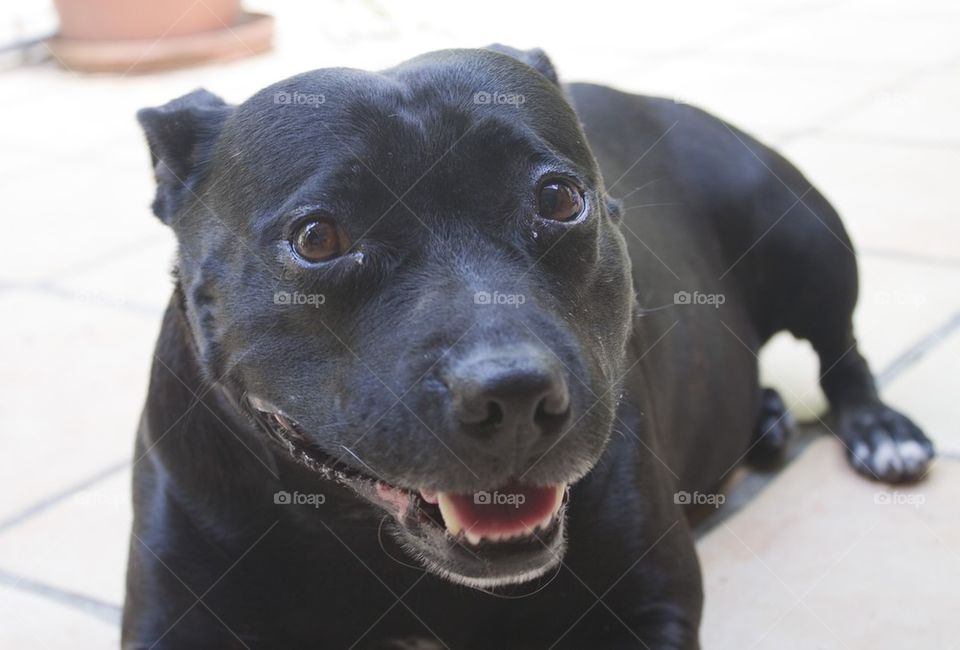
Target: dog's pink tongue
514	510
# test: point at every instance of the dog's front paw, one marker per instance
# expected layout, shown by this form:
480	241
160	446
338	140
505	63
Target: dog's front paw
884	444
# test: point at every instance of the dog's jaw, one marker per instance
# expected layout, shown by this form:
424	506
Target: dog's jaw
508	535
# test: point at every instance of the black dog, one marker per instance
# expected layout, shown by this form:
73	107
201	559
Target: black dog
424	381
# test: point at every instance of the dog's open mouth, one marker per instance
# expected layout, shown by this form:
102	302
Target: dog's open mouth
512	513
503	524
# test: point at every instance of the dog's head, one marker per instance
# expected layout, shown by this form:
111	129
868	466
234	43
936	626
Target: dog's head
414	282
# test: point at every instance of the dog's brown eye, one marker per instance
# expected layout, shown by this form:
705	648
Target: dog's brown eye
558	200
319	240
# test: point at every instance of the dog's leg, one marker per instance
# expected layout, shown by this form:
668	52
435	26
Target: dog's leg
810	288
881	442
774	429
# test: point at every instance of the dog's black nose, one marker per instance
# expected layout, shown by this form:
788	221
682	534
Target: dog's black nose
513	396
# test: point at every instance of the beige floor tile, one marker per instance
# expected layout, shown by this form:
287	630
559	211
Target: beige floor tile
74	381
32	622
927	9
890	197
96	521
16	158
767	98
315	28
824	558
70	214
66	112
900	40
928	391
921	111
792	368
900	303
137	277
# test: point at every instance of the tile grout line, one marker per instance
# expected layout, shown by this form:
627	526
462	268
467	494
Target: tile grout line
826	132
99	609
85	265
48	502
917	351
742	494
54	291
757	481
850	108
79	267
746	490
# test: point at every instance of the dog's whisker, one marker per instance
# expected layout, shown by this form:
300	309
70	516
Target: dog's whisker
383	548
643	311
638	189
361	461
339	423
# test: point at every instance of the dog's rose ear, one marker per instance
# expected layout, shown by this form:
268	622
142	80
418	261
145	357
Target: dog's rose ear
535	58
181	135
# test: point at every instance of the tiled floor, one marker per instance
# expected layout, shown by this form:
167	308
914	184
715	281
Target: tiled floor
862	95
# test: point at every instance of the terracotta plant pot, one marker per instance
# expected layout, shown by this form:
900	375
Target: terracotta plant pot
146	35
114	20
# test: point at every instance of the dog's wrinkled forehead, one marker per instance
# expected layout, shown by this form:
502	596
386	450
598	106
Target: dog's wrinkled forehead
453	115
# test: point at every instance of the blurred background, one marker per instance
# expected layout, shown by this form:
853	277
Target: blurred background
863	95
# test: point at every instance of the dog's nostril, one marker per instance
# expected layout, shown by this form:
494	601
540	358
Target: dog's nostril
494	415
551	414
556	401
493	418
477	412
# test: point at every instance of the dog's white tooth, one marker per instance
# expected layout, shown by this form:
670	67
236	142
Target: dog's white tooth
449	513
558	499
473	537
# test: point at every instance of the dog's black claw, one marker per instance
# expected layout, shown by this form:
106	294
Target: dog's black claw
883	444
774	429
